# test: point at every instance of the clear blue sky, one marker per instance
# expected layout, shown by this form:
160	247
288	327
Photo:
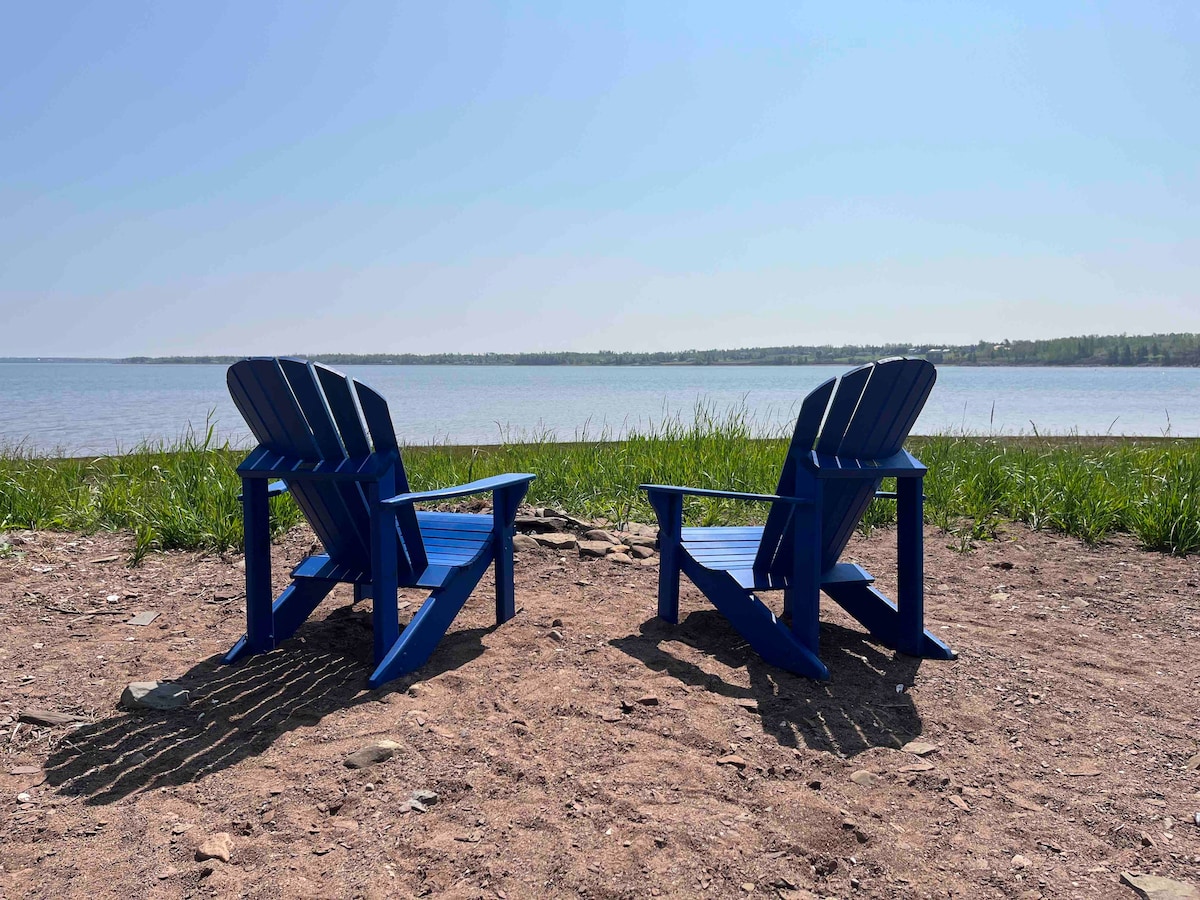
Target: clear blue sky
364	177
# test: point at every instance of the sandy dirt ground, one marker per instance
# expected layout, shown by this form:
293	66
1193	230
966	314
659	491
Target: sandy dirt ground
583	749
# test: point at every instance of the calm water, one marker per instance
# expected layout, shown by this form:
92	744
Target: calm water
100	407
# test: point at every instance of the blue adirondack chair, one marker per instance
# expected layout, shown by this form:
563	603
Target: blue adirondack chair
848	437
349	481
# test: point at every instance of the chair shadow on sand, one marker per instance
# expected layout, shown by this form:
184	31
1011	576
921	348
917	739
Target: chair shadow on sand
857	709
237	712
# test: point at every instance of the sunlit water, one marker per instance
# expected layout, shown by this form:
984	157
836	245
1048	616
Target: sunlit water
84	408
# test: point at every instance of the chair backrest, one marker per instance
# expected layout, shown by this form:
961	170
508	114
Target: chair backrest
865	414
307	410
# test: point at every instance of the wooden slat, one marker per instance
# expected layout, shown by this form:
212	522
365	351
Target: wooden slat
266	402
804	438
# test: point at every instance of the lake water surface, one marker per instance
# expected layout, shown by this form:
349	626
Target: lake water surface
82	408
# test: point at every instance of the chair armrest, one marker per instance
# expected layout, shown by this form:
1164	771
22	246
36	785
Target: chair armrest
899	465
728	495
274	489
481	486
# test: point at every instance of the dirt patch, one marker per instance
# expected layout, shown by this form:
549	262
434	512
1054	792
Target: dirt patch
586	749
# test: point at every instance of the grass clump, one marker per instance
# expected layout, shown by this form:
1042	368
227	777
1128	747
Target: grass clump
184	495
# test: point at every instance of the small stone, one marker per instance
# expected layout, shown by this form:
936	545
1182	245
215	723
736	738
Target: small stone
425	796
46	717
1193	764
594	549
747	703
599	534
999	596
732	760
555	634
863	778
371	755
748	887
168	872
638	551
24	798
960	802
623	559
25	770
1020	862
920	765
919	748
154	695
557	623
556	541
523	543
648	700
1155	887
218	846
142	618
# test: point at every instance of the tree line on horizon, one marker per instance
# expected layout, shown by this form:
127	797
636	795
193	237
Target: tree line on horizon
1087	350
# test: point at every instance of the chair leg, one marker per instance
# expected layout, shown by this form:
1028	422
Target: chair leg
504	510
420	637
910	565
260	623
385	614
669	509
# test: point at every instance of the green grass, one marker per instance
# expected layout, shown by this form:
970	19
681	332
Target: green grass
185	495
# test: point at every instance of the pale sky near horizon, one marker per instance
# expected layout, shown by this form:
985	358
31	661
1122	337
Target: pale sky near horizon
427	177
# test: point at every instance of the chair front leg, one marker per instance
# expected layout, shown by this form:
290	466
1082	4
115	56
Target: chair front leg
505	502
385	614
910	565
260	621
669	510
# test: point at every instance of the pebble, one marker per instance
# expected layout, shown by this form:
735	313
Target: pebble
371	755
594	549
217	846
556	635
46	717
732	760
919	748
154	695
622	558
1020	862
523	542
863	778
1155	887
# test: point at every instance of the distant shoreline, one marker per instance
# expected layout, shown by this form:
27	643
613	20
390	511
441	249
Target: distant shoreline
1123	351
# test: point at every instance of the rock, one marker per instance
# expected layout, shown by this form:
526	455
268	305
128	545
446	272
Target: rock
1155	887
570	519
599	534
523	543
46	717
639	552
960	802
594	548
732	760
642	540
218	846
1020	862
920	765
648	700
999	596
539	524
747	703
622	558
640	529
863	778
1193	764
154	695
555	634
371	755
556	541
919	748
25	770
557	623
425	796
